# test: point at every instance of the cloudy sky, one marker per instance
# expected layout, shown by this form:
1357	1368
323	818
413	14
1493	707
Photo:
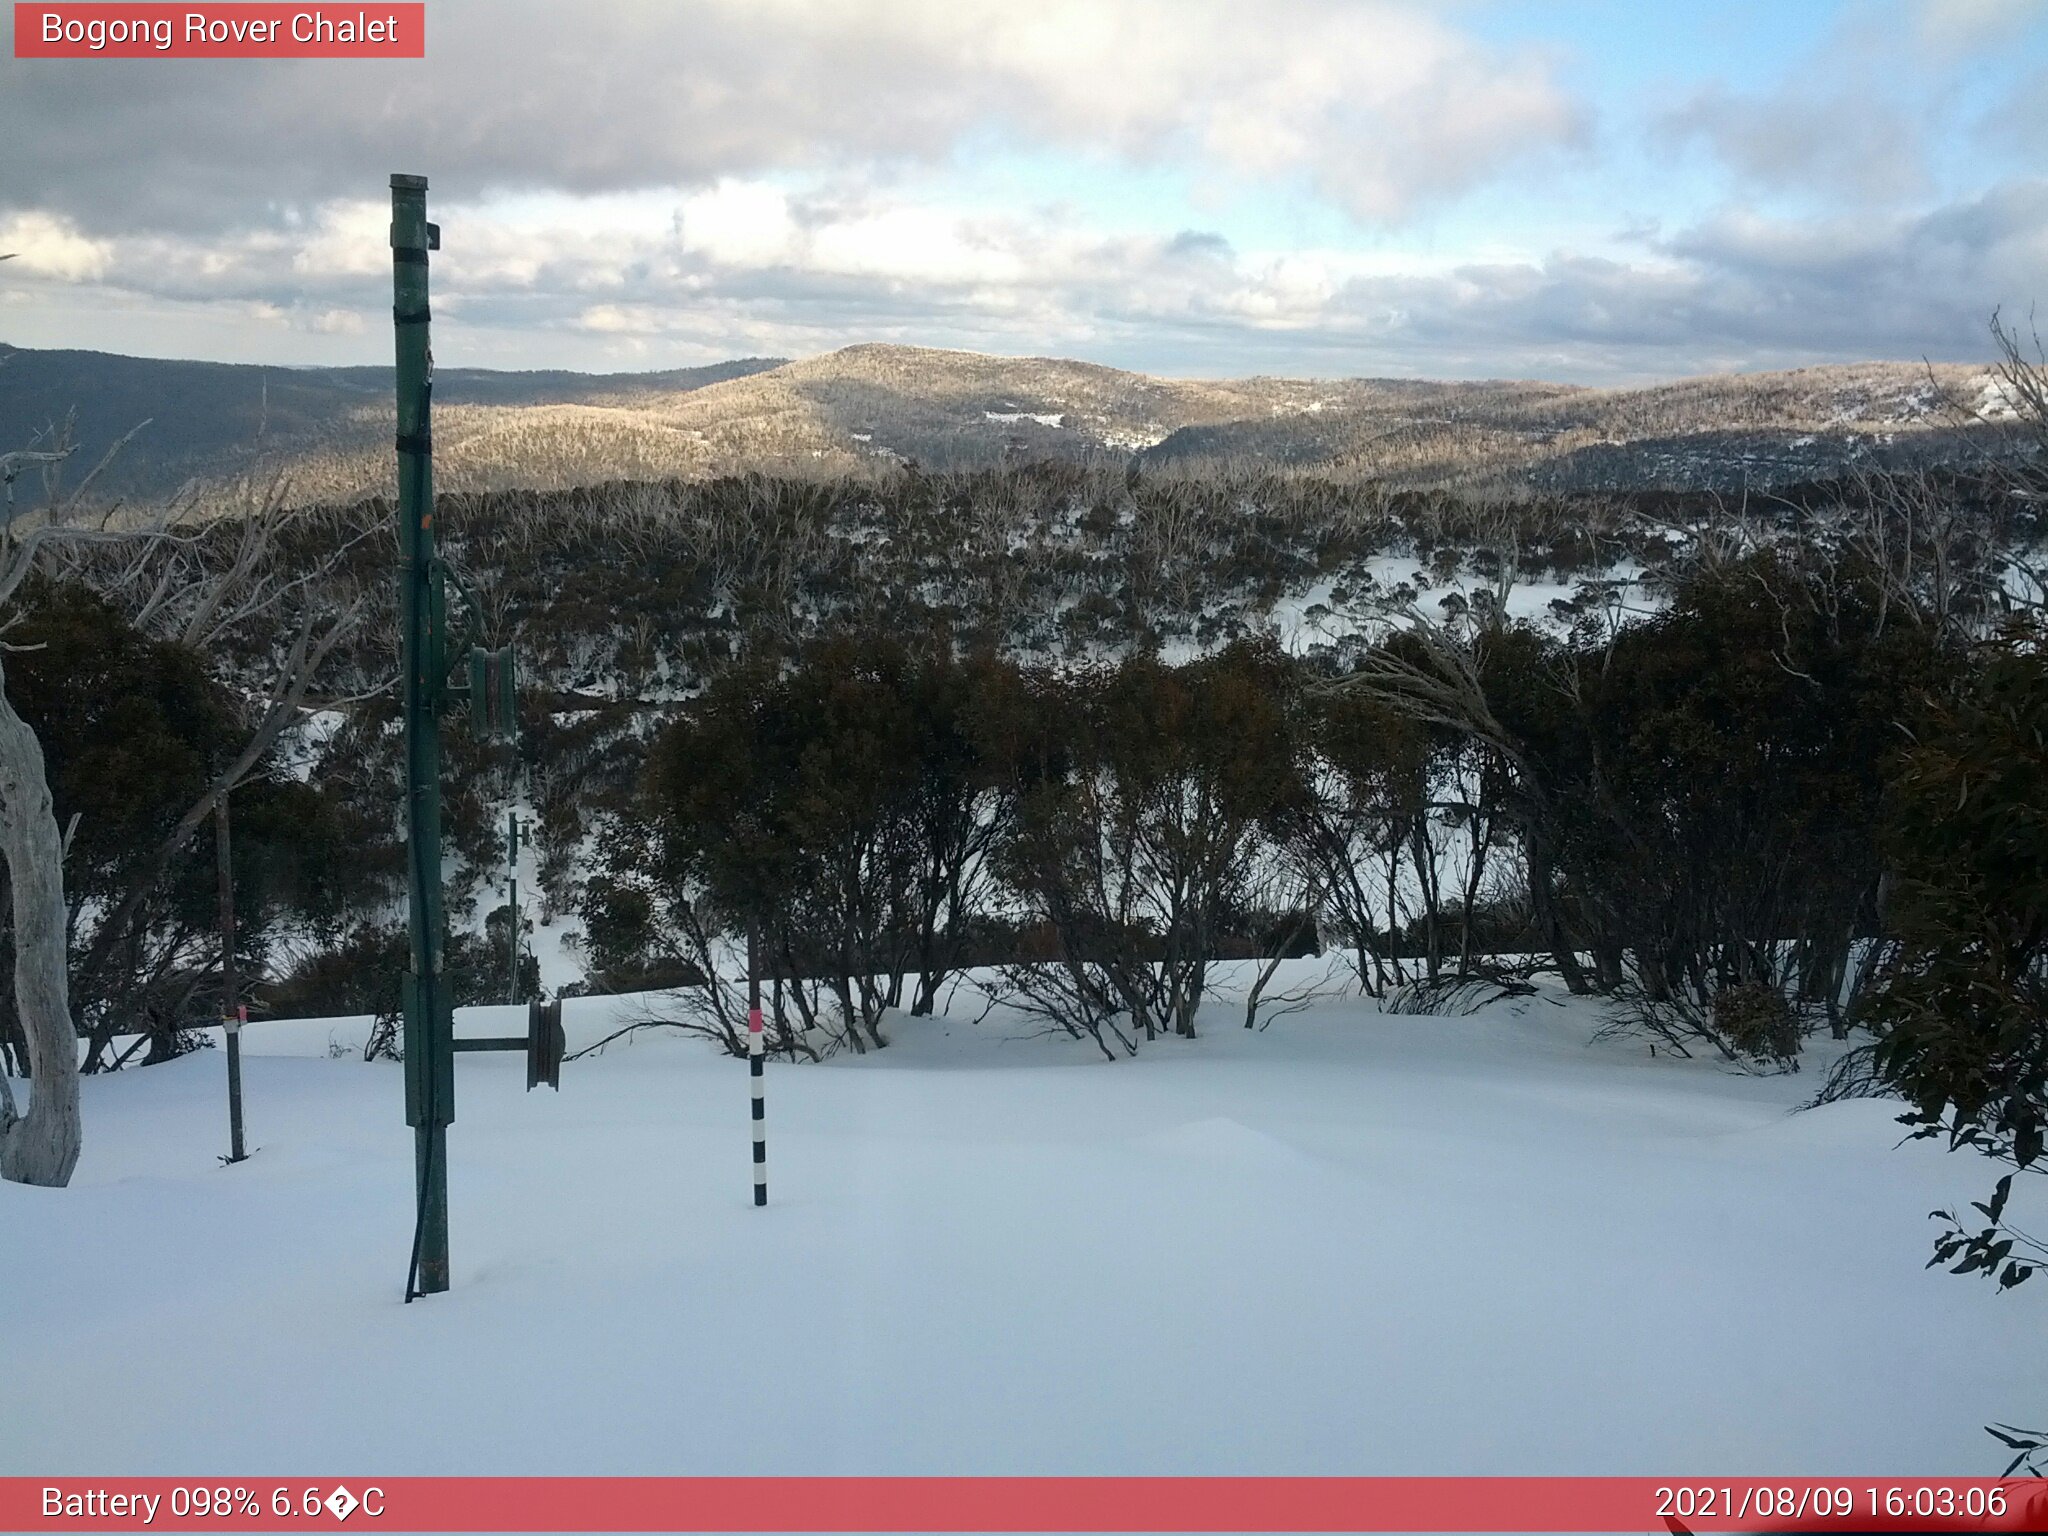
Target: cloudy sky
1599	192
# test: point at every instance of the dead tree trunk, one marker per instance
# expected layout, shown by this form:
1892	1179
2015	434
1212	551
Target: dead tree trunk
40	1147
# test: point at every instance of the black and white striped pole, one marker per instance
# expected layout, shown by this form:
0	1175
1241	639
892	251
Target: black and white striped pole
756	1060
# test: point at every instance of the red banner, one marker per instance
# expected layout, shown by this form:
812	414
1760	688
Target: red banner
1646	1504
375	30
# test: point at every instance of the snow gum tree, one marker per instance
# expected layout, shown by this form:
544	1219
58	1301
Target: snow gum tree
160	578
41	1146
1143	799
837	809
1963	1010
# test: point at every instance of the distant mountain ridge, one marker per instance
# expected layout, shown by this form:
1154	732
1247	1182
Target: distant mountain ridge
213	422
327	430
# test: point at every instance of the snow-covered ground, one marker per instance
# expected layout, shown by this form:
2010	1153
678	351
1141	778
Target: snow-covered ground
1353	1243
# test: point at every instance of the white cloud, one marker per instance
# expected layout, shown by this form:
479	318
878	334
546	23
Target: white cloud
1955	27
618	320
52	247
1384	105
790	274
738	223
717	177
1860	117
1834	138
349	239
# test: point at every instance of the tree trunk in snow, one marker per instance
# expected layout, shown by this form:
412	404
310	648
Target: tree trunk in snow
40	1147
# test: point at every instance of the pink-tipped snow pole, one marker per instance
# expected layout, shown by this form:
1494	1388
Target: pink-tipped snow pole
756	1060
755	1057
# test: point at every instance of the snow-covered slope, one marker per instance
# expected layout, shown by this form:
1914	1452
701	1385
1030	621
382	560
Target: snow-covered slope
1353	1243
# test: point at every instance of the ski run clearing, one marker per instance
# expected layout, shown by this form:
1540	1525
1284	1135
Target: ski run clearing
1355	1242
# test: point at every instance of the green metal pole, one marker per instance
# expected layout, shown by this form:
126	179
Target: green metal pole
230	1006
429	1020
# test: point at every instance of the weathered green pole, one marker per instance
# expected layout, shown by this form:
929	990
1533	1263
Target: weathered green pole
231	1010
429	1020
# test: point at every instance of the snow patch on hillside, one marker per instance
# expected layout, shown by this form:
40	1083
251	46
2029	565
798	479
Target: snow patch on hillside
1136	439
1995	399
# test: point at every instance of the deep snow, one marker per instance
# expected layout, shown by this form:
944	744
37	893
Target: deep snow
1354	1243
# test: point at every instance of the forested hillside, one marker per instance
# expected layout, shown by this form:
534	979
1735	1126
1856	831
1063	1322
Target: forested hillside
204	428
1288	623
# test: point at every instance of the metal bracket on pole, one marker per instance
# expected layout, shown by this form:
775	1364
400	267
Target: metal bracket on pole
545	1045
493	694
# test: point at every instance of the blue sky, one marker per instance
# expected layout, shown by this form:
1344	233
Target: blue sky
1601	192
